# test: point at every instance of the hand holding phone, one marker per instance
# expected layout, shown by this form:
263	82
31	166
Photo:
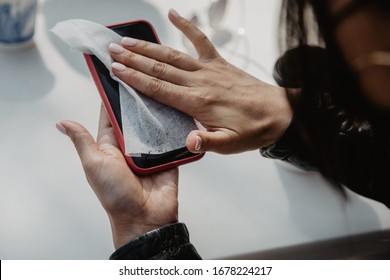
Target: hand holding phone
135	204
140	162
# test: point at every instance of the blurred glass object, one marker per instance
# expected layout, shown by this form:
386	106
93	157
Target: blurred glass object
229	36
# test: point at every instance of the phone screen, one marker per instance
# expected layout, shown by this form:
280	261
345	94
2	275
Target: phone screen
143	31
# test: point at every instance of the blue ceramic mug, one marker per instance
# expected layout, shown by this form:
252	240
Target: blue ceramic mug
17	21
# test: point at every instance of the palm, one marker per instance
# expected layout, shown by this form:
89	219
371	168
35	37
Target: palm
135	205
150	200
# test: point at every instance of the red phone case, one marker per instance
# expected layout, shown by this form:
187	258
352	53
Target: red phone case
118	133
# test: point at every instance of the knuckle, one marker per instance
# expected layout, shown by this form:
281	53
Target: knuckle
201	42
202	38
187	24
134	77
202	99
141	44
206	98
126	55
173	55
159	69
127	59
155	86
209	81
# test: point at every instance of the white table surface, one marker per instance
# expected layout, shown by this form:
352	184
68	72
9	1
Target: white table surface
231	204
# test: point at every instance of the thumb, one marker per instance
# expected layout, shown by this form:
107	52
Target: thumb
83	141
215	141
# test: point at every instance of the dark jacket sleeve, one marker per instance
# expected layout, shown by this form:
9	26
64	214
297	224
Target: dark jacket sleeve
289	149
171	242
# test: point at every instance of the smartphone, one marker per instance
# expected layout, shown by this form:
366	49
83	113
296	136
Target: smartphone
109	92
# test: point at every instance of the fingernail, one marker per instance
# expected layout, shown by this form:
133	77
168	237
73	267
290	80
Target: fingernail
198	143
61	129
174	13
115	48
118	66
130	42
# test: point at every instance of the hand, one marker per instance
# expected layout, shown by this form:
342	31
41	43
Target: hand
135	205
239	111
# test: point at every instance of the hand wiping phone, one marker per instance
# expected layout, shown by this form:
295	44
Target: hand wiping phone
149	127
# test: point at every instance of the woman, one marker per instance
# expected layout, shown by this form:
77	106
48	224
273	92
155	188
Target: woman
332	104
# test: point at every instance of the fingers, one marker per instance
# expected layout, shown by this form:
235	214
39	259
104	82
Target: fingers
162	73
161	53
165	92
83	141
150	64
202	44
216	141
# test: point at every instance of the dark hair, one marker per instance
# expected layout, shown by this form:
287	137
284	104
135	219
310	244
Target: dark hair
336	123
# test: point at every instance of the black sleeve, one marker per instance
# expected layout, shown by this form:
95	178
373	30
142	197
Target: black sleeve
289	149
171	242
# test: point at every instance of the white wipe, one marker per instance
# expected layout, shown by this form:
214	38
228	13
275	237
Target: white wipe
149	127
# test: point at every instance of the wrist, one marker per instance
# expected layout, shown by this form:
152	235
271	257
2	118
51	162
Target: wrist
283	115
125	231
